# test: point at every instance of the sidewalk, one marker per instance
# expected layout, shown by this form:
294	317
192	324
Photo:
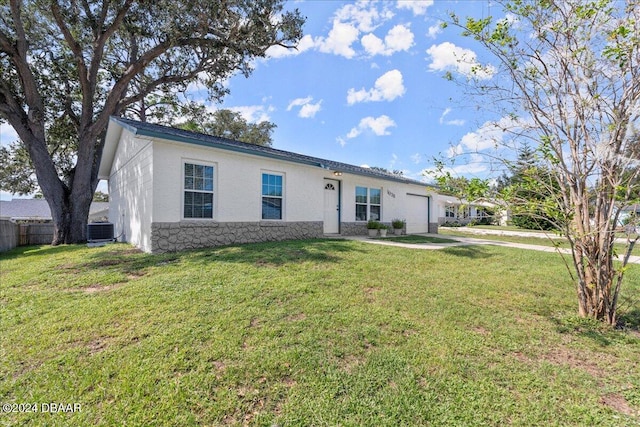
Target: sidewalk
536	234
468	241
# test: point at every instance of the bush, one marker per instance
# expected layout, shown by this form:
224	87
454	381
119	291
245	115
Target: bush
372	224
530	222
398	224
451	224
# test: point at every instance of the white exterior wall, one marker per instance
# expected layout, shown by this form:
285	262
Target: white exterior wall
130	191
396	197
146	185
237	184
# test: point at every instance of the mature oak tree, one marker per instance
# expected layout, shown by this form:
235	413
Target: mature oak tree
17	174
569	71
229	124
67	66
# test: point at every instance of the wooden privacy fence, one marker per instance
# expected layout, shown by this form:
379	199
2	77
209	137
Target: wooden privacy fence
22	234
36	234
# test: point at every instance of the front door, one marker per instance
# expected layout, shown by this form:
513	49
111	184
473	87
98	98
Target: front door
331	206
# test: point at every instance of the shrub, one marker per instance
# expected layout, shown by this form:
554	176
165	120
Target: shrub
372	224
398	224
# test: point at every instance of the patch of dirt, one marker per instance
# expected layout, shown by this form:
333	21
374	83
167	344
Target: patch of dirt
125	252
70	268
107	262
265	263
480	330
370	293
97	345
573	359
100	288
349	363
619	404
296	317
289	382
132	275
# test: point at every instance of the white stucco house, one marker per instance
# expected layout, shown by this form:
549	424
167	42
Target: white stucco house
450	209
171	189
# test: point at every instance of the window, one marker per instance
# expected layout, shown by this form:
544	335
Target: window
198	191
450	211
368	204
271	196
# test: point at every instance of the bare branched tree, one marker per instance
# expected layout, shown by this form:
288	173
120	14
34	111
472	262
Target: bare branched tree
569	73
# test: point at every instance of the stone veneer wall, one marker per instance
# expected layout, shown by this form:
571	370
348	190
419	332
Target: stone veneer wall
433	227
353	229
178	236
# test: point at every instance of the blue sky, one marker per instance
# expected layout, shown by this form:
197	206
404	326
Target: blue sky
366	86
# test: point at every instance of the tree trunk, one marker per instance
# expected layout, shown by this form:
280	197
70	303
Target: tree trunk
70	204
70	216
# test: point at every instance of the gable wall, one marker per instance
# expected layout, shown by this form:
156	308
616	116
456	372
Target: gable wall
130	191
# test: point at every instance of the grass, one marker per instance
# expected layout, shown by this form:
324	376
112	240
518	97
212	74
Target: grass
416	239
319	332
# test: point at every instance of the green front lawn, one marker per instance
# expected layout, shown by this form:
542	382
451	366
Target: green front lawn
322	332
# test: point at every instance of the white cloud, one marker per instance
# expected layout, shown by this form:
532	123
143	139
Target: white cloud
387	87
475	164
298	102
456	122
306	42
378	126
399	38
490	135
434	30
364	15
339	40
254	113
418	7
308	109
447	56
416	158
7	134
349	22
373	45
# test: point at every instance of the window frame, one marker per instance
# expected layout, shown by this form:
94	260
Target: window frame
281	197
368	204
450	211
184	190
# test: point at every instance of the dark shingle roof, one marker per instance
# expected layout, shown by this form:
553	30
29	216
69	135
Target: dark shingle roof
174	134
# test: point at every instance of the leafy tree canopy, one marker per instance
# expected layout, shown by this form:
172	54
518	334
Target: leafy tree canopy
67	66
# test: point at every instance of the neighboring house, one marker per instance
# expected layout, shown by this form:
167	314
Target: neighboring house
171	189
37	210
628	213
450	209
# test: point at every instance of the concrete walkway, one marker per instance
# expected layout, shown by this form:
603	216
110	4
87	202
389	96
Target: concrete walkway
468	241
519	233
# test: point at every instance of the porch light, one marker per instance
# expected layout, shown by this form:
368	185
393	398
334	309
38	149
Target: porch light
337	173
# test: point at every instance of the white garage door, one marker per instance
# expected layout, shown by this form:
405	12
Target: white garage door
417	214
